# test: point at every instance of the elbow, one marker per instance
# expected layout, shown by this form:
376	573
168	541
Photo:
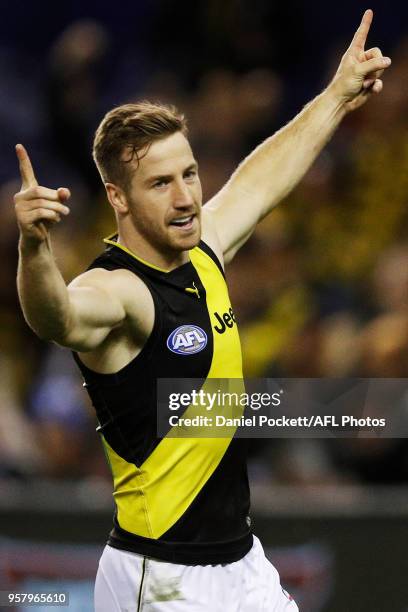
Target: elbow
43	332
50	335
57	333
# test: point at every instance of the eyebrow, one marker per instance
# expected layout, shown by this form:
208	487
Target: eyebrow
164	177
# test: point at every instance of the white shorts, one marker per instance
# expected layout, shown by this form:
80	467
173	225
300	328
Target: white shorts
127	582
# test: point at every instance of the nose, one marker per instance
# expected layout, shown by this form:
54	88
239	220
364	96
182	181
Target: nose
182	197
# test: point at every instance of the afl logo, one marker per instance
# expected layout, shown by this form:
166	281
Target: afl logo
187	340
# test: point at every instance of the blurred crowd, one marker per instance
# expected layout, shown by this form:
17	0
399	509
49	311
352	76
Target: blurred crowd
320	290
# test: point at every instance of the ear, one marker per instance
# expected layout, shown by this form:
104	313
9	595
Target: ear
117	198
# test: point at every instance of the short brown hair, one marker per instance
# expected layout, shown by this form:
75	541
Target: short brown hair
134	127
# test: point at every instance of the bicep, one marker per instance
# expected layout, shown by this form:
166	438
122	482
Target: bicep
94	311
234	214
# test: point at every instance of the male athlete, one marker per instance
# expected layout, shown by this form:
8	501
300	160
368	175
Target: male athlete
155	305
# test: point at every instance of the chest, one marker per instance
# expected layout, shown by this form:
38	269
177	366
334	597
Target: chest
197	332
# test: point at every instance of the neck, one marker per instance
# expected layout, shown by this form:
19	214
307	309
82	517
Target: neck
166	261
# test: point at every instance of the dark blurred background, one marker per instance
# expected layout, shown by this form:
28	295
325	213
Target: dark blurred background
320	290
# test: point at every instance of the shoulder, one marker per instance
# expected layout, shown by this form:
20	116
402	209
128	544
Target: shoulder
119	284
107	278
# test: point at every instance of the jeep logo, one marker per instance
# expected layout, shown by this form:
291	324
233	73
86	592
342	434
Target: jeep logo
227	320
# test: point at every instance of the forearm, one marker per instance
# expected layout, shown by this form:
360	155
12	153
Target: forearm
274	168
42	291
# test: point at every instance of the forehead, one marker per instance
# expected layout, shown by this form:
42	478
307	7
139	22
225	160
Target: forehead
166	156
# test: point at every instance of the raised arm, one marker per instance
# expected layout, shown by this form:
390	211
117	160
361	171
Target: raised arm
79	316
274	168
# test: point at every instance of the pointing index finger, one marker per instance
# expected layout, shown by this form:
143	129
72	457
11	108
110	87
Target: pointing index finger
361	34
26	170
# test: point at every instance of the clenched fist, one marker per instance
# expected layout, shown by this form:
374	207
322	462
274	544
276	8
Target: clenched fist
37	208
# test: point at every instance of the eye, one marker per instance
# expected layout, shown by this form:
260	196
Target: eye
190	174
160	184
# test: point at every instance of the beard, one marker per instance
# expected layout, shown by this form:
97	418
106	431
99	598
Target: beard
165	238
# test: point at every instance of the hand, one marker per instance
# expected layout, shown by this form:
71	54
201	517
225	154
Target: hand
37	208
359	73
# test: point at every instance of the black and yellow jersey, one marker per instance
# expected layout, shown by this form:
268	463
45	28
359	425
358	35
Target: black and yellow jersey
184	500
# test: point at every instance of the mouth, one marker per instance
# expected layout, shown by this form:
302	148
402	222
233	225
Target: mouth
183	223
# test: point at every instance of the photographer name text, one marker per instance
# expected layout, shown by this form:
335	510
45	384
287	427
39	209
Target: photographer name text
259	420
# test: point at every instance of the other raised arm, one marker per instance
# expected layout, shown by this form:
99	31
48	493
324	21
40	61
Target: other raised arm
79	316
275	167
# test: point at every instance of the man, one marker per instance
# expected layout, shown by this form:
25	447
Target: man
155	305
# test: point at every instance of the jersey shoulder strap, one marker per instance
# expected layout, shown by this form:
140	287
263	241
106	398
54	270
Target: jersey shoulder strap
208	251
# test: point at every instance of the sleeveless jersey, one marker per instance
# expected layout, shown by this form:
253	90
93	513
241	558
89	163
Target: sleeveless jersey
183	500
